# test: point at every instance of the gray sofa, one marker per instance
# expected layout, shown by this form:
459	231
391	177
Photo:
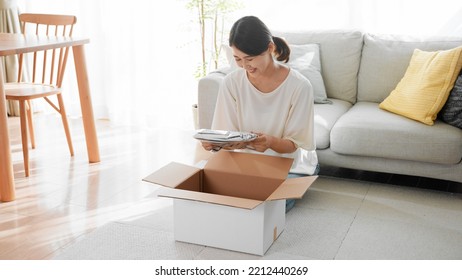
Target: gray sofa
359	71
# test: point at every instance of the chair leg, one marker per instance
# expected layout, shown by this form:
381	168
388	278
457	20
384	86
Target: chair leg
25	148
62	111
31	124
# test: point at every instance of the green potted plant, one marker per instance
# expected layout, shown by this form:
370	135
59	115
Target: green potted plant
211	17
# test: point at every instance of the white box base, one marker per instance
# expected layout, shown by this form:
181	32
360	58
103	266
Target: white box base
249	231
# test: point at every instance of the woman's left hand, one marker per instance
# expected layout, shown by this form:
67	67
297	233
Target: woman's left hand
262	142
265	142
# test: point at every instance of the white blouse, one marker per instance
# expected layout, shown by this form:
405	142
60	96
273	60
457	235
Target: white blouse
286	112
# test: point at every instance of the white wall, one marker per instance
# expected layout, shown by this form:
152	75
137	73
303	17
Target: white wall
143	54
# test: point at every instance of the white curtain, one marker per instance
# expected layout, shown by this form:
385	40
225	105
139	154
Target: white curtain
141	59
9	23
143	54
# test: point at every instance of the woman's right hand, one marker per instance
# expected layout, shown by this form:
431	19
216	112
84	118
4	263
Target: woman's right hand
211	147
237	145
207	145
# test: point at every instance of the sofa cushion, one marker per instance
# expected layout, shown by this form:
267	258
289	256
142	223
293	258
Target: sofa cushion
325	116
452	110
366	130
425	87
340	57
385	59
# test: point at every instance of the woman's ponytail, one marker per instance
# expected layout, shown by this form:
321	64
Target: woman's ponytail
282	51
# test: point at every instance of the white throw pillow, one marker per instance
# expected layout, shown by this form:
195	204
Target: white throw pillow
304	59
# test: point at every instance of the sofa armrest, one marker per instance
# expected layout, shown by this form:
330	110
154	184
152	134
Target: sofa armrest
207	95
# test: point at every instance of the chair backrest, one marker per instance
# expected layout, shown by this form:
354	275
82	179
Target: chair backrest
51	66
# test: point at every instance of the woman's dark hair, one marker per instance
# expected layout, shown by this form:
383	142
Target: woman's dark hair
251	36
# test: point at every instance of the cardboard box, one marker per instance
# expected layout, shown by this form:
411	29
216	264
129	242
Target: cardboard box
236	202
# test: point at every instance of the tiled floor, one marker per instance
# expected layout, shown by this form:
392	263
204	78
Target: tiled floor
68	208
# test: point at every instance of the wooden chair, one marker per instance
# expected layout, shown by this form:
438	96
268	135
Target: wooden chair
50	65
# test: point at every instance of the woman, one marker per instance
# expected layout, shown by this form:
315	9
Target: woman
268	98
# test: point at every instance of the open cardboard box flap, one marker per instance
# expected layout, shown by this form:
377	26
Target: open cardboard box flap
250	164
210	198
172	175
232	179
293	188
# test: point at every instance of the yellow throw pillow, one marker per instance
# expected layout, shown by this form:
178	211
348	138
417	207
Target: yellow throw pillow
426	85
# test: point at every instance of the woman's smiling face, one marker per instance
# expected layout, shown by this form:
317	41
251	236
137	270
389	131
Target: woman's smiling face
253	64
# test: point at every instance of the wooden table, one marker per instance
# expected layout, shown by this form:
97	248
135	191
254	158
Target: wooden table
11	44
